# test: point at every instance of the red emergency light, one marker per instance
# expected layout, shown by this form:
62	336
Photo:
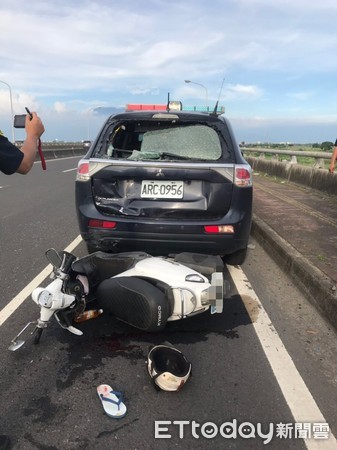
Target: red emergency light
142	107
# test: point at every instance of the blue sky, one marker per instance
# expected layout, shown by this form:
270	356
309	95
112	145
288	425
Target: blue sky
278	60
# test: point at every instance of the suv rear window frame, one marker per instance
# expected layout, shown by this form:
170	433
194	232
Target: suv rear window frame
115	122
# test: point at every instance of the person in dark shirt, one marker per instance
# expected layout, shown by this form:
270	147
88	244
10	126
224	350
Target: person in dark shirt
13	159
333	158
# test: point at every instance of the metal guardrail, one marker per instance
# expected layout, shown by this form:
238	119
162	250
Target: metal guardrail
62	146
319	157
56	150
321	180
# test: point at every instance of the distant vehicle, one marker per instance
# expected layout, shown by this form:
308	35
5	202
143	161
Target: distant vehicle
86	144
165	181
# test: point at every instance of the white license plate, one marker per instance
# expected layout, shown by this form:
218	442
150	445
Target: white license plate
162	189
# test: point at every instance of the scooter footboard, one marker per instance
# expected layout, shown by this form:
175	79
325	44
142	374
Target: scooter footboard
134	301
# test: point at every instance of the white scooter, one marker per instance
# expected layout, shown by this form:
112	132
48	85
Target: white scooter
137	288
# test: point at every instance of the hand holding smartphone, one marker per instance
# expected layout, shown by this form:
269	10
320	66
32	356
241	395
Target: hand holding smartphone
20	122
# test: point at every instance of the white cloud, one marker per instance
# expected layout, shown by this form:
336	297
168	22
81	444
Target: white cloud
143	91
60	107
247	91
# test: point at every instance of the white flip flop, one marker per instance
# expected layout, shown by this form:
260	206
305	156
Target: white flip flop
112	401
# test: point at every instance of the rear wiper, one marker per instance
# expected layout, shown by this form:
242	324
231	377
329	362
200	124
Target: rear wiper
173	155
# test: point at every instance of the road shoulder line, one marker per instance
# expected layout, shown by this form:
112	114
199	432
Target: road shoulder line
298	397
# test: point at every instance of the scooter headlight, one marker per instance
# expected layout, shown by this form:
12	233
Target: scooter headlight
45	299
194	278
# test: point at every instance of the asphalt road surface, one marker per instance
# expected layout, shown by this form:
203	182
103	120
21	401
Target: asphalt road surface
264	371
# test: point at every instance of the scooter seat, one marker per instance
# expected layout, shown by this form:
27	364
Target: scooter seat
134	301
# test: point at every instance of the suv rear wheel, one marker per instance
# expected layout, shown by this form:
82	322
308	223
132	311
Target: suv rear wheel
235	259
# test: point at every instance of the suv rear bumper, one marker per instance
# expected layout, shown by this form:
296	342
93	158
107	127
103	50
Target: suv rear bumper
163	244
158	238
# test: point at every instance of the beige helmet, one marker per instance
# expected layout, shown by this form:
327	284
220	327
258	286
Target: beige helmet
168	368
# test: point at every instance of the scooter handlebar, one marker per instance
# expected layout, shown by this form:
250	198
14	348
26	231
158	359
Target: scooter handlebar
68	259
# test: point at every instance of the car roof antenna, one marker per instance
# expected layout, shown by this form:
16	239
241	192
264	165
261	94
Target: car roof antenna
168	102
214	113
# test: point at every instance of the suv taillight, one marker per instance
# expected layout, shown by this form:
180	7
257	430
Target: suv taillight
243	176
83	172
96	223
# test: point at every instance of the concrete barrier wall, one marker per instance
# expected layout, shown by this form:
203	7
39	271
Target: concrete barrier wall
62	151
319	179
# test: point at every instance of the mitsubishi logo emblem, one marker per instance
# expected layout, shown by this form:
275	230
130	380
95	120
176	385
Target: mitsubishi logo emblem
160	173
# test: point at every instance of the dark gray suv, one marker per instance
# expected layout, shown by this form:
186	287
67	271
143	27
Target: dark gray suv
165	182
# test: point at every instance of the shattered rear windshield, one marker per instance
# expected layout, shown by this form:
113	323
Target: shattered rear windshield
163	140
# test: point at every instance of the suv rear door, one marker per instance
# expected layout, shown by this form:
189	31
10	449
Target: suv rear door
171	166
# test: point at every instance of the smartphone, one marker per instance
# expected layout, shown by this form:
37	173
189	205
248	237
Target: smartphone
20	120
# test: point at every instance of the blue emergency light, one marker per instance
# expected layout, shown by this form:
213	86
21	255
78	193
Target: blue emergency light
208	109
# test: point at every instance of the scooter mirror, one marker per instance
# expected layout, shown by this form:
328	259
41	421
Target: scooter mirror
18	343
54	257
15	345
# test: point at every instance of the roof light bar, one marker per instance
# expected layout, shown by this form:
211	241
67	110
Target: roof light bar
173	105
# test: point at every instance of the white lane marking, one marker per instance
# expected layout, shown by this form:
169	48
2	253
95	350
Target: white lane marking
69	170
298	397
13	305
